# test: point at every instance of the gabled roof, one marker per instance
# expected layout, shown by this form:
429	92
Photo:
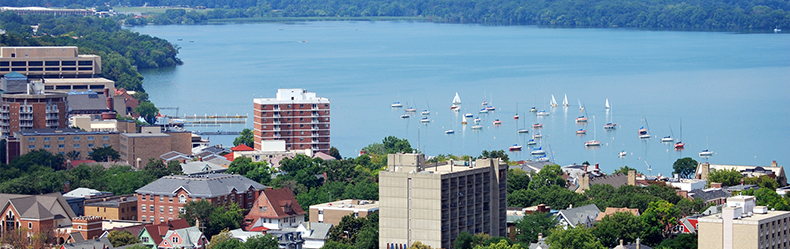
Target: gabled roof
190	237
611	211
85	192
174	155
709	194
580	215
616	180
206	186
158	231
201	167
89	244
320	231
242	147
40	207
279	203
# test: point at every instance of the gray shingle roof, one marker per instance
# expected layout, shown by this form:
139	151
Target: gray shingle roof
320	231
89	244
206	186
47	206
709	194
190	236
89	102
580	215
191	168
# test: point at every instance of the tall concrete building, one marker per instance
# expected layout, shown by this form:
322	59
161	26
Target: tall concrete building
432	203
743	225
296	116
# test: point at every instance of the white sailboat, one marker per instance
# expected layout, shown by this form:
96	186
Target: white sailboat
523	130
553	101
607	104
593	142
456	103
706	153
581	107
565	101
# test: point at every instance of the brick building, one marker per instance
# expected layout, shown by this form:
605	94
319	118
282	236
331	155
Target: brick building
296	116
137	148
49	62
113	208
38	213
333	212
163	199
35	110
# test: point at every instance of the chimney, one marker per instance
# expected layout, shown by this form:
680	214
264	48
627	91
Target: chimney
632	177
106	92
66	187
585	168
621	242
596	167
540	236
773	164
110	104
715	185
638	243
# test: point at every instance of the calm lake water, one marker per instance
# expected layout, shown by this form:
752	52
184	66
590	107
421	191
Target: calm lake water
730	91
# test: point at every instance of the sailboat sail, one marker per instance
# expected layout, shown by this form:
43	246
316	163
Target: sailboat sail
553	101
565	101
607	104
457	99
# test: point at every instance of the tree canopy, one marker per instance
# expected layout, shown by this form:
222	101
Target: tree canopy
245	137
725	177
685	167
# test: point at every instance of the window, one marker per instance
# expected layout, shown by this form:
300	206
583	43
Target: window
152	209
356	214
30	225
90	145
46	146
265	209
161	209
175	239
46	139
171	210
182	199
76	138
105	145
161	219
144	238
161	198
31	146
105	138
90	138
170	198
180	210
31	139
76	145
61	139
61	146
143	208
320	211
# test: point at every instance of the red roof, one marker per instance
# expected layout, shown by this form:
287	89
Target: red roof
160	230
259	229
278	204
242	147
229	156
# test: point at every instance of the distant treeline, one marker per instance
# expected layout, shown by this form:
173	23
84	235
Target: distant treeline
661	14
122	51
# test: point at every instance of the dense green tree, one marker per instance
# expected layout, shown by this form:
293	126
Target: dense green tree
500	244
682	241
769	197
148	111
121	238
351	231
256	171
688	207
618	226
501	154
197	210
624	170
725	177
104	154
763	181
517	179
334	152
685	167
266	241
548	176
389	145
464	240
573	238
245	137
336	245
659	219
533	224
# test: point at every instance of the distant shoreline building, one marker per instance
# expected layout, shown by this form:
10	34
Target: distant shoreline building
49	62
298	117
48	11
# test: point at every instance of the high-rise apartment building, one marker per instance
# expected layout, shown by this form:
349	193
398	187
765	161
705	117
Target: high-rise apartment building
32	110
432	203
296	116
744	225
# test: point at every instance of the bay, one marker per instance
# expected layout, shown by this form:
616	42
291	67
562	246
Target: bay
730	90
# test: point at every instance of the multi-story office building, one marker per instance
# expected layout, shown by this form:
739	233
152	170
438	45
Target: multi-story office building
32	110
744	225
433	203
296	116
49	62
113	208
164	199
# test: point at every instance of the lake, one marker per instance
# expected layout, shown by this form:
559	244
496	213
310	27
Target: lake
729	92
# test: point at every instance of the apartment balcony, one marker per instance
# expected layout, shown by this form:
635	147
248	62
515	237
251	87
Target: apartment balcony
26	117
277	115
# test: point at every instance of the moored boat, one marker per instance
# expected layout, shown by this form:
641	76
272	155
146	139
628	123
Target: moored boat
581	131
622	153
532	142
706	153
610	126
396	105
449	132
404	116
468	115
537	126
515	147
543	113
538	151
497	122
425	120
477	127
581	119
533	109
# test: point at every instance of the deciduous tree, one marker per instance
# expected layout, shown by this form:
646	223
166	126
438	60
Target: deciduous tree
573	238
533	224
685	167
122	237
245	137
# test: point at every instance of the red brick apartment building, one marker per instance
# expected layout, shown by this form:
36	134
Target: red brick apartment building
296	116
163	199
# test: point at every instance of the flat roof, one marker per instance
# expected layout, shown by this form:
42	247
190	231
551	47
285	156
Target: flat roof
145	134
749	220
78	80
446	168
349	205
115	202
56	132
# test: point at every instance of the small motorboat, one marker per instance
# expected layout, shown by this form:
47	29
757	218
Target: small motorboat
411	109
533	109
622	154
425	112
538	151
404	116
515	147
646	136
468	115
490	108
543	158
449	132
455	107
537	135
581	119
483	110
537	126
680	145
523	131
477	127
497	122
667	139
706	153
543	113
425	120
532	142
396	105
581	132
516	116
592	143
610	126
